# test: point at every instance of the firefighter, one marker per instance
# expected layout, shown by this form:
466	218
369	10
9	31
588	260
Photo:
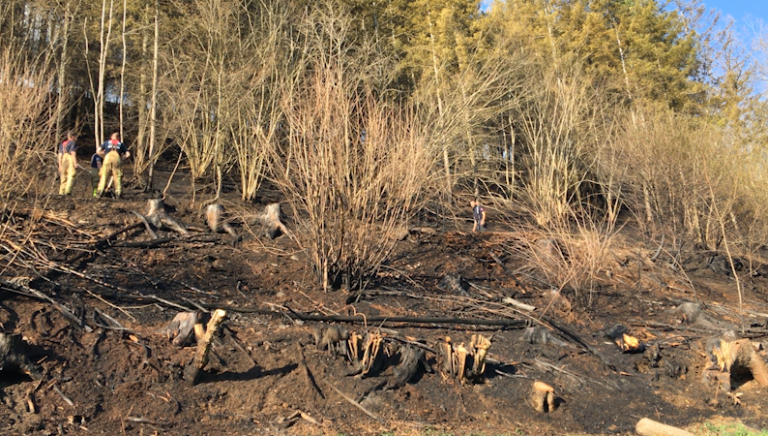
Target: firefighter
114	152
67	160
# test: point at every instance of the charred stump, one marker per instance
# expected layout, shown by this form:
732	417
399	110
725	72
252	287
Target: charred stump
13	357
159	218
215	216
271	217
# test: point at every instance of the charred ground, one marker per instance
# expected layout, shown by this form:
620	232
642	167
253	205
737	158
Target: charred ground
266	374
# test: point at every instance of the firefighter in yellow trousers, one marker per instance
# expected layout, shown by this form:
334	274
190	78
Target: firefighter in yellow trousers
114	152
66	158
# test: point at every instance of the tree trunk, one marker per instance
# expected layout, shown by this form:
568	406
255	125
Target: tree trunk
153	105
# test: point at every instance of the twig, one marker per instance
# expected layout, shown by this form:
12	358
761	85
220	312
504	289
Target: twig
506	374
27	291
506	270
310	379
230	334
356	404
152	243
64	397
140	420
577	376
149	228
574	337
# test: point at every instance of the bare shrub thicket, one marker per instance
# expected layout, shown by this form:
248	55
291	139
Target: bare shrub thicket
222	106
354	169
491	83
27	150
559	130
686	177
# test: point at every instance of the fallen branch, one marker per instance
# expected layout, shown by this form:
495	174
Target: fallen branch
63	397
649	427
356	404
29	292
506	270
152	243
574	337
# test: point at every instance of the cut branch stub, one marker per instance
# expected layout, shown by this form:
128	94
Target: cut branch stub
543	397
370	361
192	372
649	427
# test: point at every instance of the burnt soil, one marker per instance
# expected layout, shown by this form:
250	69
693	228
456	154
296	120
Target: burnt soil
116	375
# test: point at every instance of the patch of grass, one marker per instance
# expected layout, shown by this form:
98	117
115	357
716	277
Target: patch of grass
727	429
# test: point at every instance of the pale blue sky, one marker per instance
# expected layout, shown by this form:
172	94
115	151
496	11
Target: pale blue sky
742	11
745	12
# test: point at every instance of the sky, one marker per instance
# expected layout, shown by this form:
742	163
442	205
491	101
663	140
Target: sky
744	12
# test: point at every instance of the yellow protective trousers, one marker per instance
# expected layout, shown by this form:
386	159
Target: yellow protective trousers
67	173
113	166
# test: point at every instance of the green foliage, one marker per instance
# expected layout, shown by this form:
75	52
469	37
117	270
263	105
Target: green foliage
728	429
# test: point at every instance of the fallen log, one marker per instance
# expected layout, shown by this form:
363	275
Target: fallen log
649	427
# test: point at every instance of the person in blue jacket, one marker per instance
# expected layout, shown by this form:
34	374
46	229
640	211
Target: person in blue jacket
114	153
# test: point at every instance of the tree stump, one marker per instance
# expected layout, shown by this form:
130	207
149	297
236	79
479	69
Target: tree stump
13	358
543	397
158	217
214	215
272	219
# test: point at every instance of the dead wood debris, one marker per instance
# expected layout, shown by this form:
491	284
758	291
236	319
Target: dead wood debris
355	403
365	353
